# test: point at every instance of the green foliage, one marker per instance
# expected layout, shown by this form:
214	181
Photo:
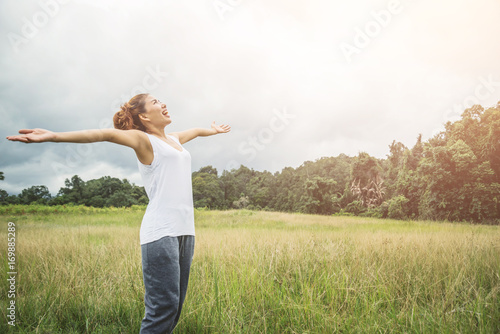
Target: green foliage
207	191
454	176
35	194
459	184
3	197
36	209
355	207
365	168
319	195
396	207
242	202
104	192
261	189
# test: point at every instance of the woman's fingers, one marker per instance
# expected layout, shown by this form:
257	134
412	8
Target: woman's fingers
221	128
18	138
23	138
31	136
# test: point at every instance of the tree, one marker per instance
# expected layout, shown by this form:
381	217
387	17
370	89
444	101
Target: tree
289	189
120	199
396	207
105	191
207	191
3	193
3	197
458	187
242	202
35	195
260	190
109	186
319	194
208	170
234	183
396	160
491	141
139	194
228	186
365	168
73	192
367	183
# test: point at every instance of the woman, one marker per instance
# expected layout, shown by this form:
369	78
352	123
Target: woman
167	229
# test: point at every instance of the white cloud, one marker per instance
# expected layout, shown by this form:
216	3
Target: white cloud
264	55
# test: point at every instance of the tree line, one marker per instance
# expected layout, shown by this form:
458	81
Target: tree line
454	176
104	192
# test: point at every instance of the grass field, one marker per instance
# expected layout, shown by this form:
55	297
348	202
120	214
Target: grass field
258	272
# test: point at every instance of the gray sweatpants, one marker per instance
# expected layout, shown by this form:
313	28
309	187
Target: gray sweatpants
165	270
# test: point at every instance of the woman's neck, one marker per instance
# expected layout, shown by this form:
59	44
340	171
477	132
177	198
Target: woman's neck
157	132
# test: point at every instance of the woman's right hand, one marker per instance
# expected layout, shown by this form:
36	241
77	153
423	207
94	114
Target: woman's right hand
33	136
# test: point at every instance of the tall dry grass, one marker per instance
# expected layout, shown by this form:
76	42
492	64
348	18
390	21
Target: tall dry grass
262	272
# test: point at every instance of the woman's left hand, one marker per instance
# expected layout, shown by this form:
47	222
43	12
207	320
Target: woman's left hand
223	128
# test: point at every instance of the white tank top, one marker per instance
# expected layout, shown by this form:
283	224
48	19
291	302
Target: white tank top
167	181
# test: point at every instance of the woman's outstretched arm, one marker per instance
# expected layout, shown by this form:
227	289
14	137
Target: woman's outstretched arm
122	137
135	139
42	135
187	135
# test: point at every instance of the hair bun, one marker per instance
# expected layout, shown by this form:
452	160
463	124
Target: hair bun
123	119
128	116
124	108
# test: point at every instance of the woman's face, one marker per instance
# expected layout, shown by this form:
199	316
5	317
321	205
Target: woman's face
156	111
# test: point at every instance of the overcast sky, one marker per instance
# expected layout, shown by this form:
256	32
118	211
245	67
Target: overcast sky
296	80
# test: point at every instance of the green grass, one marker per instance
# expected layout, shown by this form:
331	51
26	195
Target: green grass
258	272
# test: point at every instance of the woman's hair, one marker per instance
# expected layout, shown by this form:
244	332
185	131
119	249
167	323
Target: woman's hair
128	117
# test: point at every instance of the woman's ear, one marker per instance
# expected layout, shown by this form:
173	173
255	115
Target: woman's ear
143	117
